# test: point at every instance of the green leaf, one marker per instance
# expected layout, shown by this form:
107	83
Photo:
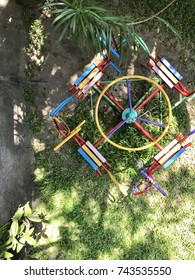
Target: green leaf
34	218
22	240
14	243
8	255
63	15
19	213
63	32
27	209
141	42
19	247
30	231
21	229
30	240
14	228
9	241
170	27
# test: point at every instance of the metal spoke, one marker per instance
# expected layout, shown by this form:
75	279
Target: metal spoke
150	122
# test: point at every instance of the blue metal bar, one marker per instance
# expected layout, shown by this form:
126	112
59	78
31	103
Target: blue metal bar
116	128
152	182
84	74
60	106
139	163
171	160
171	68
88	159
115	53
191	132
150	122
112	64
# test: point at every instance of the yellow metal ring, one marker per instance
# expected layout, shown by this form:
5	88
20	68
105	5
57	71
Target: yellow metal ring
141	78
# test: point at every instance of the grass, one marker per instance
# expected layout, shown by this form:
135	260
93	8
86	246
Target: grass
86	221
88	217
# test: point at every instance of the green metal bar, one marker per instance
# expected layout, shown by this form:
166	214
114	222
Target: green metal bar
91	103
143	97
122	81
161	115
181	99
150	89
190	98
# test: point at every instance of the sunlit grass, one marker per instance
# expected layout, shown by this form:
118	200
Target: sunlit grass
87	225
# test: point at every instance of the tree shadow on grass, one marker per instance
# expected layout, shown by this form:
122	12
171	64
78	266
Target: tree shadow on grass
148	248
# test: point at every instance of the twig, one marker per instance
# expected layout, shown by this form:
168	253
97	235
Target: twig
151	17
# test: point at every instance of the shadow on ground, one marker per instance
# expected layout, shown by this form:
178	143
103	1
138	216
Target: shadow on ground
15	157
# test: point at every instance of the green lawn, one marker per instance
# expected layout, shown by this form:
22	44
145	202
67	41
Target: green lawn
87	217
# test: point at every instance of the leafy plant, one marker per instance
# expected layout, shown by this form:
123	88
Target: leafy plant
90	24
86	22
36	42
18	232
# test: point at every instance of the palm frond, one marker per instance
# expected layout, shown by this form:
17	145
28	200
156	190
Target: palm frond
89	23
168	25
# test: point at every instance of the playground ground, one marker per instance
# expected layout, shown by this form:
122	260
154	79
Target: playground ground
60	65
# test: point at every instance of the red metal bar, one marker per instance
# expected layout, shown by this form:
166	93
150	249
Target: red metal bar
153	167
71	87
80	96
103	64
112	98
147	134
104	168
182	89
178	136
79	140
153	59
60	129
102	139
147	99
145	190
188	145
183	139
75	93
108	164
99	173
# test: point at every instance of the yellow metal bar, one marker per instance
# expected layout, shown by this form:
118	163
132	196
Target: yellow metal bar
166	150
121	188
92	156
89	77
72	133
170	154
67	138
167	72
